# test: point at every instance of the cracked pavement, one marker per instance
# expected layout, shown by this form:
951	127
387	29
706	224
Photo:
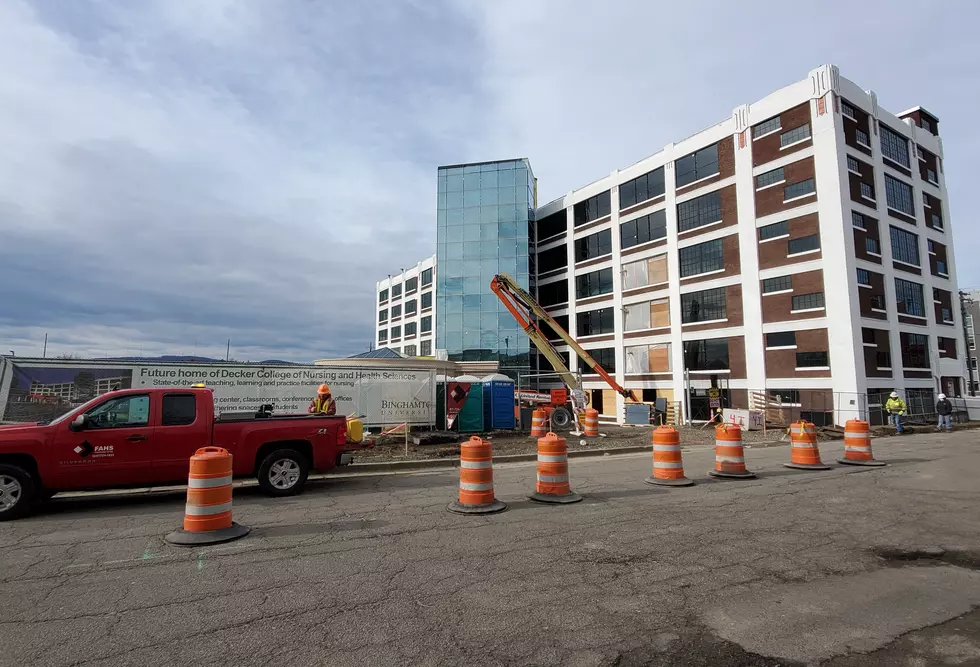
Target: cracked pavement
780	570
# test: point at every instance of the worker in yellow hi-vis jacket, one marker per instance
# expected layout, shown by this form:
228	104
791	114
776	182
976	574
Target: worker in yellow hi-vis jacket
323	403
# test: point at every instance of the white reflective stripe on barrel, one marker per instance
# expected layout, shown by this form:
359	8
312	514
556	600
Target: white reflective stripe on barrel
472	486
475	464
552	478
552	458
664	464
204	510
729	459
856	448
208	483
803	445
666	448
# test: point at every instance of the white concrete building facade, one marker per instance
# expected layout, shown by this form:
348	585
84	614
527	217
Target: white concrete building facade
405	310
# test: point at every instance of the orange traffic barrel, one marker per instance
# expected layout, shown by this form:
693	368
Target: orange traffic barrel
668	468
857	444
804	453
590	424
552	485
476	479
207	515
539	419
729	453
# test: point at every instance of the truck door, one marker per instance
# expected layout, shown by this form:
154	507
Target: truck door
114	448
183	429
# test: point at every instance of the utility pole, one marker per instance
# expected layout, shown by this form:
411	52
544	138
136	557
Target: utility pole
44	354
228	350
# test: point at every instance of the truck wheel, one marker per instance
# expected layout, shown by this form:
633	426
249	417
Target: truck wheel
17	492
561	418
283	473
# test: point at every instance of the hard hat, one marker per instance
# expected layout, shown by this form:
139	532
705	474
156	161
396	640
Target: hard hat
942	397
323	390
894	394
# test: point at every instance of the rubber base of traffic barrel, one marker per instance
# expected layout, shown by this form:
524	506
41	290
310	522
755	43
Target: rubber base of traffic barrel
807	466
183	538
732	475
490	508
683	481
874	464
550	498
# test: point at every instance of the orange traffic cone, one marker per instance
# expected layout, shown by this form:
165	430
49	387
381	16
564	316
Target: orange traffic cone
476	480
207	516
804	453
552	485
668	468
729	453
857	444
539	419
590	424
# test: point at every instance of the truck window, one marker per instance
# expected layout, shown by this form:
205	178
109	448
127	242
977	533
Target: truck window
179	409
125	411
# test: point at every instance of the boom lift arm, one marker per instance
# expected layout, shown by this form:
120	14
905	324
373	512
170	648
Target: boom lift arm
522	306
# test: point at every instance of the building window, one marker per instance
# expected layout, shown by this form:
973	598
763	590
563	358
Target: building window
426	324
646	228
770	178
593	245
859	221
899	195
785	396
396	291
396	332
780	284
774	231
426	277
781	339
894	146
766	127
926	124
592	208
411	307
648	358
848	111
383	295
706	355
411	328
411	285
553	259
905	246
947	347
937	221
872	246
931	176
396	311
862	137
699	211
704	306
796	134
410	350
853	165
811	360
595	322
383	315
642	188
552	294
697	165
426	300
426	348
552	225
646	315
909	299
702	258
645	272
947	315
382	335
915	350
812	301
877	302
605	357
803	244
941	269
594	283
800	189
867	191
864	277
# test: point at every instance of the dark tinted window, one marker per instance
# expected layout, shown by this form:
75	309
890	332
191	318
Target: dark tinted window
594	283
703	306
697	165
427	277
781	339
605	357
553	293
701	258
411	284
706	355
552	225
645	228
594	245
179	409
811	359
700	211
427	300
593	322
640	189
592	208
553	259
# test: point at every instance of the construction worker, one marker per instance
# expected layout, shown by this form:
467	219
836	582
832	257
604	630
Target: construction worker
895	407
323	403
944	410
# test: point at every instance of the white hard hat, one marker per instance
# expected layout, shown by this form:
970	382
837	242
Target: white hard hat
942	397
894	394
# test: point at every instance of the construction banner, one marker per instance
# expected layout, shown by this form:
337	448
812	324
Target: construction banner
456	393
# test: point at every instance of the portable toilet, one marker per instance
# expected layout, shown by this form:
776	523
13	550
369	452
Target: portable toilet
470	417
441	381
498	402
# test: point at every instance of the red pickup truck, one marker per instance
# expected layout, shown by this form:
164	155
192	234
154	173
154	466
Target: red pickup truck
145	437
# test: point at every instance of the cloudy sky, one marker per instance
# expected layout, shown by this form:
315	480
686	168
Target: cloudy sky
174	173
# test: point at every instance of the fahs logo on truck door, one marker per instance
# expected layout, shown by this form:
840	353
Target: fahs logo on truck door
86	449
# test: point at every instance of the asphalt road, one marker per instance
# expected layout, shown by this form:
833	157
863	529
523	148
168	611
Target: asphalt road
852	566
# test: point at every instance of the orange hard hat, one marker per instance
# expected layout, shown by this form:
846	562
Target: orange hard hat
323	390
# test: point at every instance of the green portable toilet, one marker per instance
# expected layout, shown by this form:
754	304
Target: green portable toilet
441	381
470	419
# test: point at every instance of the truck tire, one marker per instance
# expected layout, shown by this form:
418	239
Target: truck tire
283	472
17	492
561	419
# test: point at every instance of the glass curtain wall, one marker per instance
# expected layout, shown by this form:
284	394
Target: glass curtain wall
485	227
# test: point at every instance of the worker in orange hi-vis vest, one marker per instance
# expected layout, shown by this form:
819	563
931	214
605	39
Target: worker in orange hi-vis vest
323	403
